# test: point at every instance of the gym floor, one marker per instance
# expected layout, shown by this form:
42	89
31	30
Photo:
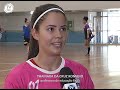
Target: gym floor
103	63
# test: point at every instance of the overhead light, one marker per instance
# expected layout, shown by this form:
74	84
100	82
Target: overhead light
31	12
113	9
8	8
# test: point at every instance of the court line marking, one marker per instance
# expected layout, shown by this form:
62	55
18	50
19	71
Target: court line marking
9	63
5	70
89	58
18	63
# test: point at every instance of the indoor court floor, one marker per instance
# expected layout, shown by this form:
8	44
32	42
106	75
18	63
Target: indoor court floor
103	63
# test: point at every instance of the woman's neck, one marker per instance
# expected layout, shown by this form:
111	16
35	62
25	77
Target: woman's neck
46	62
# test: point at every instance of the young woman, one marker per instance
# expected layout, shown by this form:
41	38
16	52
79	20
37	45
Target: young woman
26	31
1	31
88	34
42	69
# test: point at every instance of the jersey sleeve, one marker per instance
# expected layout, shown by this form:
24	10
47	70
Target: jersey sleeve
13	81
88	83
23	28
88	30
10	83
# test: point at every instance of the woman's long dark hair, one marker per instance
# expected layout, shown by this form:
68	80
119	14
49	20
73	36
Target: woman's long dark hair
33	45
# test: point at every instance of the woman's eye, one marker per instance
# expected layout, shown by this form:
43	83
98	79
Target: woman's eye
63	29
50	29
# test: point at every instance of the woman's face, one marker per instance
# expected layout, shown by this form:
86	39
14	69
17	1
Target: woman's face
27	23
52	33
84	22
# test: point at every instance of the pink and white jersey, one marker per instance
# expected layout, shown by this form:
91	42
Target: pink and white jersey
29	76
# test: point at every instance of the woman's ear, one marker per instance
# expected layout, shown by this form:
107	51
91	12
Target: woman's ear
35	34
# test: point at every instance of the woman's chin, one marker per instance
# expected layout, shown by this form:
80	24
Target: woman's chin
56	52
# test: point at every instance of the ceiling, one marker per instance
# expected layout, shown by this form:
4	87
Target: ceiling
21	6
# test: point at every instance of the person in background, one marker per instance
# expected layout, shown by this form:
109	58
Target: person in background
26	31
1	32
88	34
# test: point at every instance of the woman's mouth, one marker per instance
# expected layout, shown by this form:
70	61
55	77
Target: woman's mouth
57	44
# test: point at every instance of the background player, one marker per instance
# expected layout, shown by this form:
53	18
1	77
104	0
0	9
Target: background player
26	31
88	34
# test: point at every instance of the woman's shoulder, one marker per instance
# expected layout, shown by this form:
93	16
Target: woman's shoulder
16	76
18	69
74	64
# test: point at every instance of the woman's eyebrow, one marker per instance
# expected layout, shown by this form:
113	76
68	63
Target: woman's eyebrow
56	26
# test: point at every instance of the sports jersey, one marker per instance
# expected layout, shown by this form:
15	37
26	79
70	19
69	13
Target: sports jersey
29	75
26	30
86	28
